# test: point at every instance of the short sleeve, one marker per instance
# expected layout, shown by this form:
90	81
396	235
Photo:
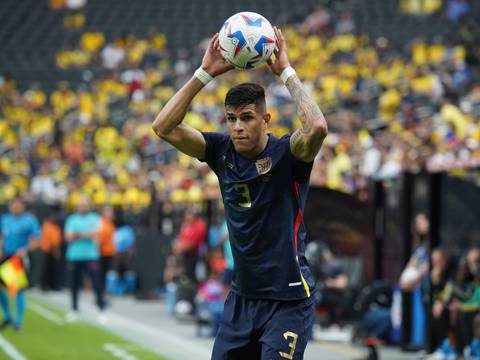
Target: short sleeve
34	227
68	224
215	142
96	221
301	169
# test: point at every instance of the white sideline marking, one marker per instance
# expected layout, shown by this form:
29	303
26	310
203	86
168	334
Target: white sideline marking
10	350
118	352
148	330
158	339
45	313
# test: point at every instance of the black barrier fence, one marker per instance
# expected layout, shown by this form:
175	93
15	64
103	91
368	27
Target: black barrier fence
379	233
344	223
149	261
459	218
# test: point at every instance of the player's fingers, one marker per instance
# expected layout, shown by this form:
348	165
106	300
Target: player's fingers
216	43
278	40
277	34
282	38
277	43
212	41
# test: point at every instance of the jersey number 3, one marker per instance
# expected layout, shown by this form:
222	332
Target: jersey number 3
292	344
243	190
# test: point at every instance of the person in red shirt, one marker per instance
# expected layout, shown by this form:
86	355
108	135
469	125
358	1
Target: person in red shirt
193	233
105	242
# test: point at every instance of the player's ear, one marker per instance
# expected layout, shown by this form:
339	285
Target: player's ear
266	118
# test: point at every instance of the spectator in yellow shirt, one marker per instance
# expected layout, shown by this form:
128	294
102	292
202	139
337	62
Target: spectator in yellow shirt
92	40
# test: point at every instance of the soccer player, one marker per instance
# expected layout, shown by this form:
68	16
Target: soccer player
19	234
264	182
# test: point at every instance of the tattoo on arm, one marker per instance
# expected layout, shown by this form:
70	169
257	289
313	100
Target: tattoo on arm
306	142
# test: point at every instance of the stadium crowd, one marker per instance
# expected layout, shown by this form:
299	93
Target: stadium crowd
391	110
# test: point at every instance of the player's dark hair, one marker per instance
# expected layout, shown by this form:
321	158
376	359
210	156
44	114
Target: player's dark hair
246	94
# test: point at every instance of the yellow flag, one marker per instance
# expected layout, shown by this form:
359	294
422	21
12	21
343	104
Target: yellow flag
13	275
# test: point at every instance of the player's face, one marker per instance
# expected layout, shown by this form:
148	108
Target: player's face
246	127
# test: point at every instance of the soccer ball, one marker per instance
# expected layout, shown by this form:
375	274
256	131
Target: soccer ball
246	40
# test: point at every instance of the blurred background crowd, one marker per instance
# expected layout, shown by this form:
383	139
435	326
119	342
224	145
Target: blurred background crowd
390	109
396	102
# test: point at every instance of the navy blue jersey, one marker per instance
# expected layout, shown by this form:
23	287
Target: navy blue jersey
264	199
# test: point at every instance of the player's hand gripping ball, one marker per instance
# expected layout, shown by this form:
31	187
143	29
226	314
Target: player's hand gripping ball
247	40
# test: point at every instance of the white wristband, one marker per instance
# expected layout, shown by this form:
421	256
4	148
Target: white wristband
203	76
289	71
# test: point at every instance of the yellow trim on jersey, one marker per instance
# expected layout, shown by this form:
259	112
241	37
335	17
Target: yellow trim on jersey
305	285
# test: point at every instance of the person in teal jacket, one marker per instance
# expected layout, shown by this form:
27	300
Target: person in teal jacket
81	230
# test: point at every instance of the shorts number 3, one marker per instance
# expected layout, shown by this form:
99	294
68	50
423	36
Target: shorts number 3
292	344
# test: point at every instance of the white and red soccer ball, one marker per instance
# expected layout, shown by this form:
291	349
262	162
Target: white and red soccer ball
247	40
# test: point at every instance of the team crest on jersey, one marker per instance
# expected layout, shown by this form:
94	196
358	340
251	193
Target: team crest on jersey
264	165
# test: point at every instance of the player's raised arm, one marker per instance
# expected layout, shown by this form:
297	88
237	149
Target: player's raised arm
306	141
168	123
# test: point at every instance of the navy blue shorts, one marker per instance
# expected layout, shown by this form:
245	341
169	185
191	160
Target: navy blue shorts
263	329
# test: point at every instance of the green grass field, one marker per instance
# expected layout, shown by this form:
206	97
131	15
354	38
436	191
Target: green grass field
43	339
